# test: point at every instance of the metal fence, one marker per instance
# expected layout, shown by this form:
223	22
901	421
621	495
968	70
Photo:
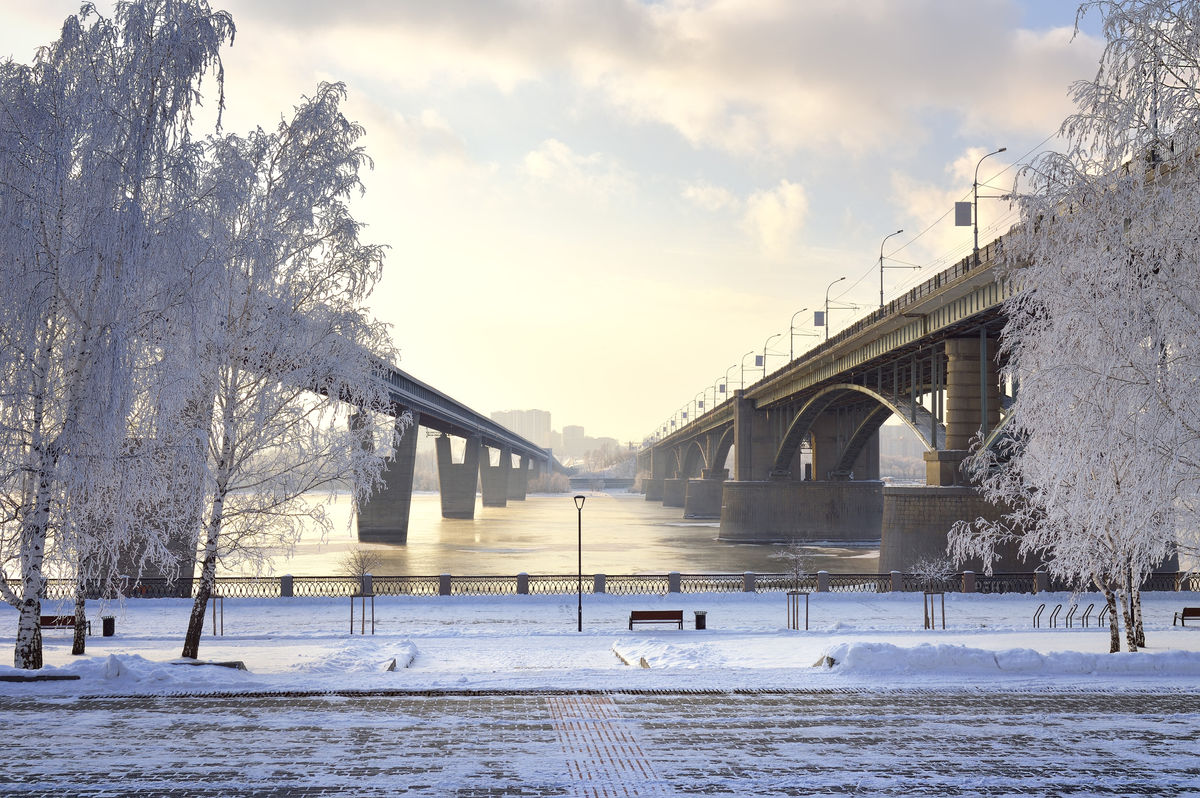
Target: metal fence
566	584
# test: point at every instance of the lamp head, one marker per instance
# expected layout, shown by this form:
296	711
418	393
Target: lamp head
579	500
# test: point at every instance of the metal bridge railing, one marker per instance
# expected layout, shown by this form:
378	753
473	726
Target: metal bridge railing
566	584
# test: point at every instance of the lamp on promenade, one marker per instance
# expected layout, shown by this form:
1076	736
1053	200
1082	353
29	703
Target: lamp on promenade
579	500
826	317
882	267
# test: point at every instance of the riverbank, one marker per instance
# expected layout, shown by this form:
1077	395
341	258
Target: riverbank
523	642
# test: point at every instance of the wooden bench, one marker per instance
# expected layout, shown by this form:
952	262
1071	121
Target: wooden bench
1188	612
656	616
61	622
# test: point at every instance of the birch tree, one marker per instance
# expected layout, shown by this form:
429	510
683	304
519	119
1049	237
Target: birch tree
292	350
1101	467
94	144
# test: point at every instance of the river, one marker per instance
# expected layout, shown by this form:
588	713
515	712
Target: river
622	534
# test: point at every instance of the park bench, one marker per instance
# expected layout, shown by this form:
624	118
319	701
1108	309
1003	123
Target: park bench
1188	612
61	622
656	616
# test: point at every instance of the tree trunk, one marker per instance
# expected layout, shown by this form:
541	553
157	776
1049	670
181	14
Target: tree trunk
1130	638
80	642
1114	630
1135	601
204	590
28	653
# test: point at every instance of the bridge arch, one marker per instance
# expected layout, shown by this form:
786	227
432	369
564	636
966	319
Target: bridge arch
723	446
916	417
692	460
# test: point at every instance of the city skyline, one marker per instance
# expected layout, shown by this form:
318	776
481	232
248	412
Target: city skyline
627	197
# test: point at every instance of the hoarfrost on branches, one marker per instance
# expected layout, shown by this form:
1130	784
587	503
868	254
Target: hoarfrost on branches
1102	462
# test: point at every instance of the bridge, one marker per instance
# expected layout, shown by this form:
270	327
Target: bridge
805	442
384	519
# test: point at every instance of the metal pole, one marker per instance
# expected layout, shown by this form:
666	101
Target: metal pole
579	500
831	285
881	243
975	203
792	335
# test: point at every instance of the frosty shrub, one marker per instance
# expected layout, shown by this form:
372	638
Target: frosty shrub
797	562
359	561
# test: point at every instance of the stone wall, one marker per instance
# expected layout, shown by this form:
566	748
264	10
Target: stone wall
916	521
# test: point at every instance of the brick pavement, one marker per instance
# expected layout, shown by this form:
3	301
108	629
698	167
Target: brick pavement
580	743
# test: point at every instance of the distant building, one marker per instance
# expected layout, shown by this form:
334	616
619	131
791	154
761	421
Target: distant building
533	425
574	442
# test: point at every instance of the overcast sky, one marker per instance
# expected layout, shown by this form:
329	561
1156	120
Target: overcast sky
597	207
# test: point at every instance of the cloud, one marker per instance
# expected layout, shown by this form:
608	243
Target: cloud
749	77
709	197
597	175
775	217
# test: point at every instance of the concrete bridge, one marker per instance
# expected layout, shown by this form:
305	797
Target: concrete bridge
805	439
384	519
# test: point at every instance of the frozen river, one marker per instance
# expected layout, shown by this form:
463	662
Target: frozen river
622	534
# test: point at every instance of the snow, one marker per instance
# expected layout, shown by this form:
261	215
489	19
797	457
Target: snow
523	642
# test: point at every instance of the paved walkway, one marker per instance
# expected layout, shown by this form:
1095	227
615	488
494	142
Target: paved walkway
901	742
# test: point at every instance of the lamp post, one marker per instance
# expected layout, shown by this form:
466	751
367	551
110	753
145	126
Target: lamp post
751	352
792	335
881	267
975	203
831	285
765	344
579	500
731	368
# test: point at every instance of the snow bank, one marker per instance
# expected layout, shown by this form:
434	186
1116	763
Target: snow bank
885	658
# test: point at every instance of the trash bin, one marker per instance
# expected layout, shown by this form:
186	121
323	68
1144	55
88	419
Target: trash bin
109	625
701	619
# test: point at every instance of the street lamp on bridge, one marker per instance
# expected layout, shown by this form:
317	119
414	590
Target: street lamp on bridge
792	334
882	267
748	354
826	317
975	202
764	355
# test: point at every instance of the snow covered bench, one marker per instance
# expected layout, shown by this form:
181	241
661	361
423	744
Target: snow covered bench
61	622
656	616
1188	612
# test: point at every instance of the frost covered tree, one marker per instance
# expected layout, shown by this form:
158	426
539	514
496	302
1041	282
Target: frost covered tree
95	157
1102	464
289	354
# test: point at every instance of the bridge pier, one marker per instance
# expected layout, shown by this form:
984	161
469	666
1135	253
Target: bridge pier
653	489
458	481
786	509
674	492
518	481
917	520
384	518
703	496
493	479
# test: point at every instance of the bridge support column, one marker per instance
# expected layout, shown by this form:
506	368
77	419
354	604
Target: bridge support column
674	492
753	443
787	509
384	518
458	481
653	489
518	480
493	479
972	401
703	498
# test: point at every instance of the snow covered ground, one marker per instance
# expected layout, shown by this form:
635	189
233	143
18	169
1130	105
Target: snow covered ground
502	696
305	644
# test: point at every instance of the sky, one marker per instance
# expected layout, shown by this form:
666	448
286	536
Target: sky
601	208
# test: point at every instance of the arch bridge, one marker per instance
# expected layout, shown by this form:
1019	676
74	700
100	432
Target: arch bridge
805	438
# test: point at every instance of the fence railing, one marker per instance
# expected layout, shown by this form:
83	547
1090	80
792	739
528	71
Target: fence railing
621	585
